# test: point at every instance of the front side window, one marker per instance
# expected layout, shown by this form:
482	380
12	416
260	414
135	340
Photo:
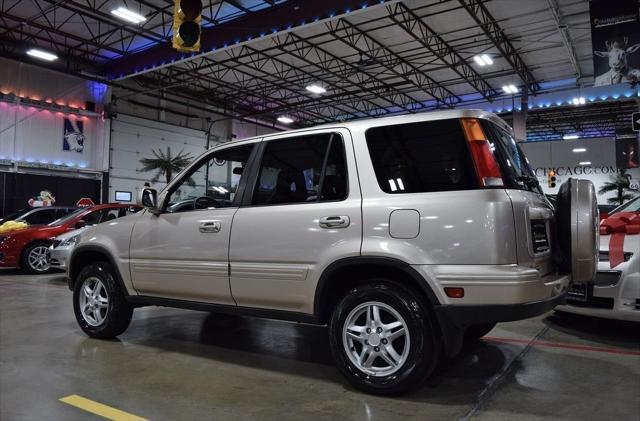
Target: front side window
93	218
111	214
421	157
302	169
212	184
41	217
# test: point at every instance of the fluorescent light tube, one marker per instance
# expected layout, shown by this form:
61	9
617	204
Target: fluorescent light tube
285	120
316	89
34	52
488	60
126	14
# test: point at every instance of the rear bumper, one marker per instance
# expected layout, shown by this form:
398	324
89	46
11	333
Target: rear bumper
493	284
465	315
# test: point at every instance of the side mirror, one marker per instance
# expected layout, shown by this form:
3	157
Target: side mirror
80	224
148	198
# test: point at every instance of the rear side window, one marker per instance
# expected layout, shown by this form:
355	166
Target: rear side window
421	157
302	169
64	212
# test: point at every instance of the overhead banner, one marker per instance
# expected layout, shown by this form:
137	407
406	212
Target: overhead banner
615	36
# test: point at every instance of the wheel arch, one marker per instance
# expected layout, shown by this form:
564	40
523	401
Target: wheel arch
83	255
356	270
32	243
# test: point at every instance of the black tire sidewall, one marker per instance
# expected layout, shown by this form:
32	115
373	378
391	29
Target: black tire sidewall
25	258
119	312
562	250
423	353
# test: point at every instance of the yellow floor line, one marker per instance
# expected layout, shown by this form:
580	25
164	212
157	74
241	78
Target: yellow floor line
100	409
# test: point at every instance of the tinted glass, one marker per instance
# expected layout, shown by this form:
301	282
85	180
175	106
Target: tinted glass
40	217
513	163
334	183
292	171
421	157
67	218
111	214
64	211
631	206
213	184
13	216
92	218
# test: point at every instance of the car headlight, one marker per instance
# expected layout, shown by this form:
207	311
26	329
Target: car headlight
70	241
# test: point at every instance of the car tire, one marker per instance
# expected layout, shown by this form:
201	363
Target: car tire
475	332
415	354
99	303
32	258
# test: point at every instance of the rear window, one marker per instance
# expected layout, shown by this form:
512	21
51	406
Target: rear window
516	171
421	157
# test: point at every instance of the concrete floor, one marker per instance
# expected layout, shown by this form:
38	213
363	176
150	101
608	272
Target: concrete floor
182	365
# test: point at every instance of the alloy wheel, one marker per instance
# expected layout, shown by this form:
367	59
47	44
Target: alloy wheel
39	258
376	339
94	301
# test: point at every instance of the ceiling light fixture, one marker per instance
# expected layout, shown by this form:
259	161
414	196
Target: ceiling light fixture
577	150
285	120
483	60
579	101
126	14
316	89
510	89
585	163
570	137
34	52
487	59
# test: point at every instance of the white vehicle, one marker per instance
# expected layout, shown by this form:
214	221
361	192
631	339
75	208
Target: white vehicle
615	291
403	234
61	248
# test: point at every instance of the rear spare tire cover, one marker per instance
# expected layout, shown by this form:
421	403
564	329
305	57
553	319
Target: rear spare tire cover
577	230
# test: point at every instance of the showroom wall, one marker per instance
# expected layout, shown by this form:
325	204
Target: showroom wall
244	129
135	138
48	137
600	153
54	135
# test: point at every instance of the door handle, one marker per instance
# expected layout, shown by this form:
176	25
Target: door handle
209	226
334	222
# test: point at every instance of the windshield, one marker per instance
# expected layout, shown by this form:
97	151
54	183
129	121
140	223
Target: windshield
66	218
631	206
14	215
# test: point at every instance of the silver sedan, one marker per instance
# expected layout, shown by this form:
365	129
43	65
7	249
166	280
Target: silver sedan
60	250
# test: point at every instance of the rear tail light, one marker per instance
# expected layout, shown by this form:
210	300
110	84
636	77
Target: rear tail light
487	168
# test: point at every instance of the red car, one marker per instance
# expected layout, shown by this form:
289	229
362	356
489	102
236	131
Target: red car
28	248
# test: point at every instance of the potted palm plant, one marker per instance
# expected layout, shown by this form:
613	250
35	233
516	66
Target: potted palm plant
165	164
620	184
